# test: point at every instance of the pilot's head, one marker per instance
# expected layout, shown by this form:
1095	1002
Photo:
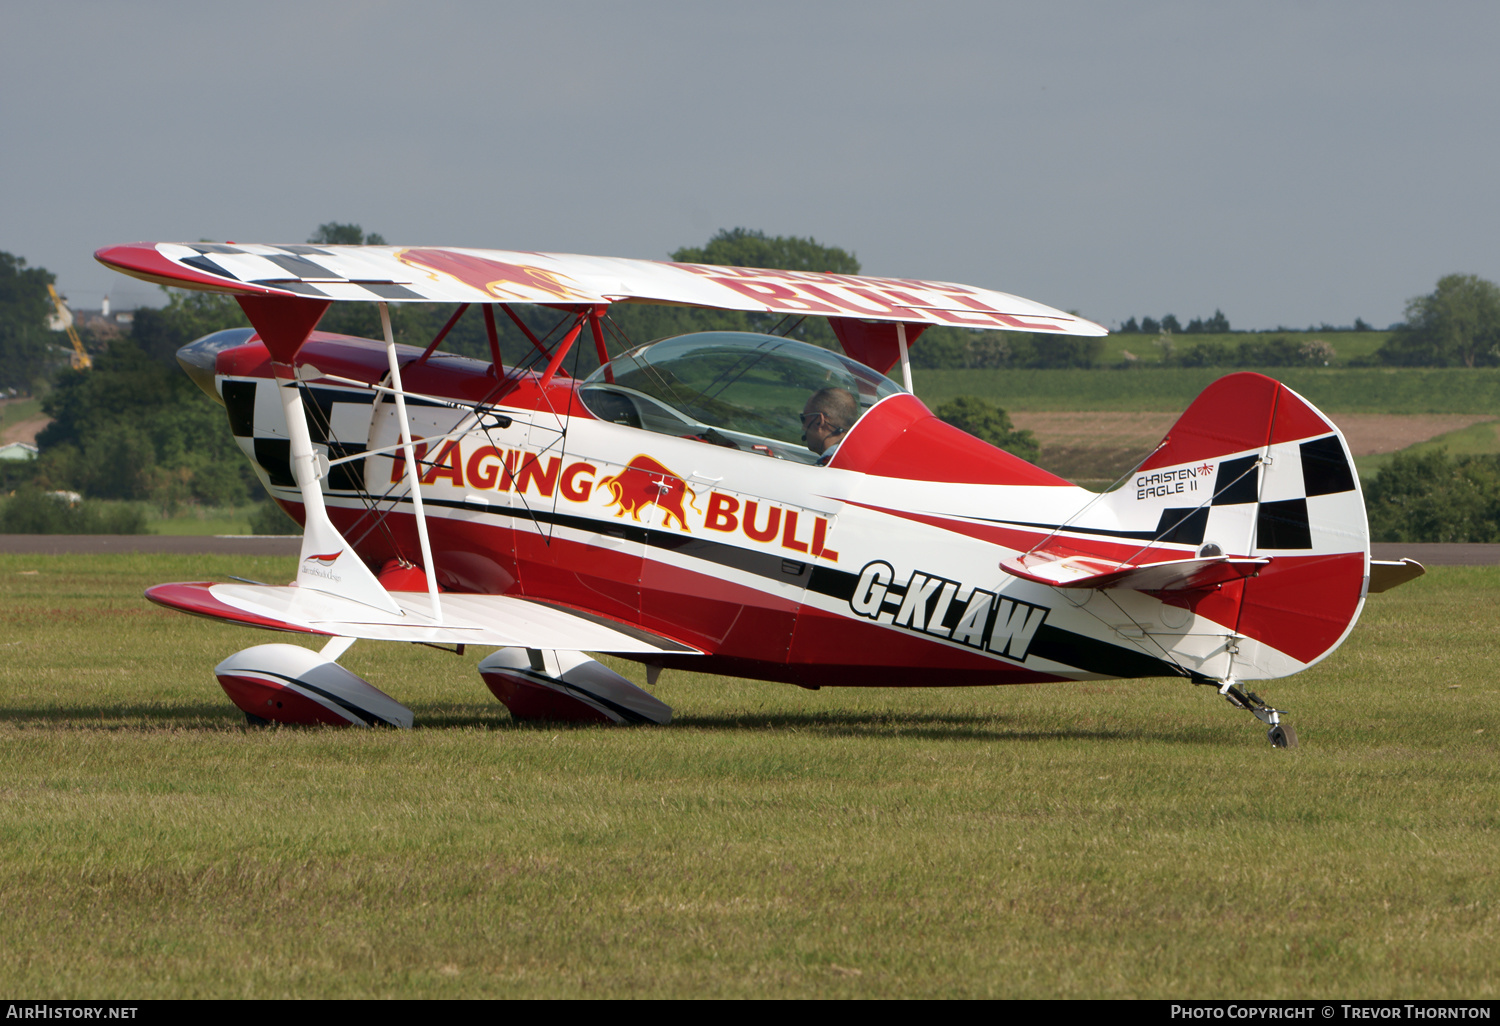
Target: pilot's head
828	414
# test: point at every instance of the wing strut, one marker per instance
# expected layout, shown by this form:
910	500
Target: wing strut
494	339
562	348
329	563
462	307
599	346
524	329
413	479
905	356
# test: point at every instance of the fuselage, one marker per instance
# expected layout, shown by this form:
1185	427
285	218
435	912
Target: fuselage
880	569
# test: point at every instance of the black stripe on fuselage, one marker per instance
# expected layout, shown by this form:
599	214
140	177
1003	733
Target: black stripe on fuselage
1101	532
762	564
1067	648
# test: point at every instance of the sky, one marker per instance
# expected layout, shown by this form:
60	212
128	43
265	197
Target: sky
1290	163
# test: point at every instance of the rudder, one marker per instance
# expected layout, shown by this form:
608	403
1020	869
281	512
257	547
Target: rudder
1280	483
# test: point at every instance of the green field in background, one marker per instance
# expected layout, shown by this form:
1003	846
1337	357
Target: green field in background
206	520
1080	840
1347	345
1334	390
13	411
1474	440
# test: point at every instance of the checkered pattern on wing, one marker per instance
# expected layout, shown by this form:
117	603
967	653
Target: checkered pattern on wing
318	272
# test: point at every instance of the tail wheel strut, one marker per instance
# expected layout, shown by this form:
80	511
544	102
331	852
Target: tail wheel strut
1281	735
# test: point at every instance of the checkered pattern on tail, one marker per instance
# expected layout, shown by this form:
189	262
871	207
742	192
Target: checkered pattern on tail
1262	501
1252	469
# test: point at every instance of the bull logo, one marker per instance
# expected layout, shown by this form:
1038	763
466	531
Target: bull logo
645	482
499	279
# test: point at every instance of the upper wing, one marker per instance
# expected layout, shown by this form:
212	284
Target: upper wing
467	619
432	274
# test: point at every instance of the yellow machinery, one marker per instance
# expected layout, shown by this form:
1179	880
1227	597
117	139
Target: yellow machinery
81	360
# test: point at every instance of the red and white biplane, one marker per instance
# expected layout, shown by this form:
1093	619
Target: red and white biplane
729	502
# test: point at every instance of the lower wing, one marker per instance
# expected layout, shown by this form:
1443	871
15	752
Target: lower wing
466	619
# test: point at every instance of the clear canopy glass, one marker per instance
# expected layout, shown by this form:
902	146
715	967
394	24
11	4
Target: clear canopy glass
732	388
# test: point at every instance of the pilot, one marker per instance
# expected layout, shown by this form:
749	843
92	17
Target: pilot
829	413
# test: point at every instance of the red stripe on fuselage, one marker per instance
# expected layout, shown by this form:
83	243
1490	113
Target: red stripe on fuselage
745	631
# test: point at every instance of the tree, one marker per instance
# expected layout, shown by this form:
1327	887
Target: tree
1169	323
742	247
24	338
1218	324
1130	328
1046	351
335	234
986	349
942	346
188	315
1430	497
989	423
32	511
132	428
1458	324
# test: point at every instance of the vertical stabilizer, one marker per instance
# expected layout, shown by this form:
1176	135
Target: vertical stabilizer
1253	470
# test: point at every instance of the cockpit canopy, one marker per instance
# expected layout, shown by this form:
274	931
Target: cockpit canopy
733	388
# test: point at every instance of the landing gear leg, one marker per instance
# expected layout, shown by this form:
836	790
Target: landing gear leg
1281	735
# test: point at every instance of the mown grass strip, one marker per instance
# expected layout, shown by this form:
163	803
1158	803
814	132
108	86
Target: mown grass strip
1103	839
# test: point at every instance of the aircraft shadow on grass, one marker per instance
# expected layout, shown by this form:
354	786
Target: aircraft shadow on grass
984	727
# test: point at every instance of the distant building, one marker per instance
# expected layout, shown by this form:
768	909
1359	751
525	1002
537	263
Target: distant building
106	319
18	451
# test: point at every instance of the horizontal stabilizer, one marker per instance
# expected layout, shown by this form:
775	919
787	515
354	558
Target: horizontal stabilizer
1387	574
1086	571
467	619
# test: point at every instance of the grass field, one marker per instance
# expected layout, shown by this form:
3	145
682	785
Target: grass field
1476	440
1095	448
1334	390
1347	345
1104	840
16	411
205	520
